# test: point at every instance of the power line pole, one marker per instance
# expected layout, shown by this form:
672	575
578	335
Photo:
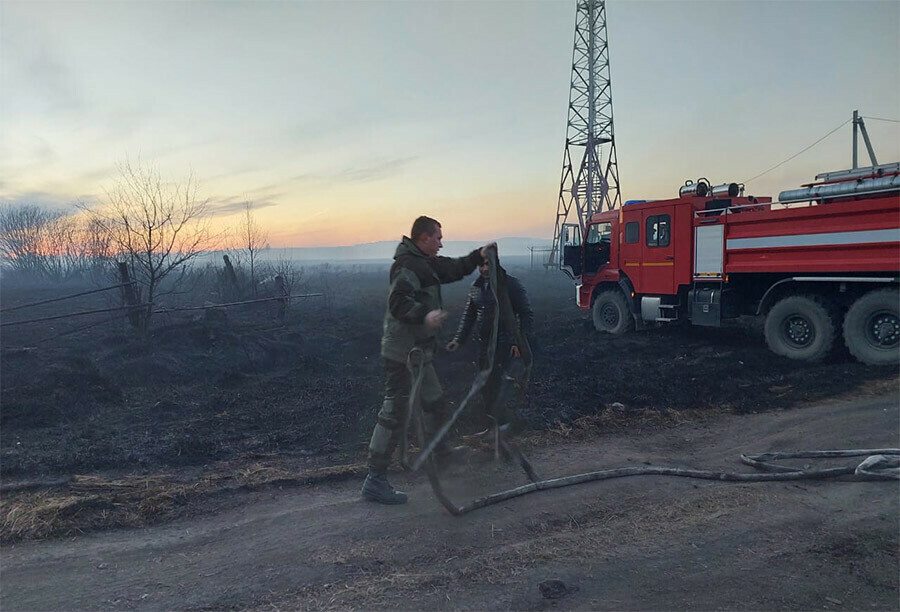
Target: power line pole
593	184
860	125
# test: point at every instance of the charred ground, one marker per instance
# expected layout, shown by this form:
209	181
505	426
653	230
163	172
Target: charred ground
200	390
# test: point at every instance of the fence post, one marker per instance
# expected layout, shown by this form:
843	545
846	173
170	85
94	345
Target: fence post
283	302
232	278
129	295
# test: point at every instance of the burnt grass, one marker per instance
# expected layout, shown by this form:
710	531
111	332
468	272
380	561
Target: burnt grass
196	389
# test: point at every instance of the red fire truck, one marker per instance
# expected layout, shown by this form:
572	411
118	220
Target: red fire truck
821	263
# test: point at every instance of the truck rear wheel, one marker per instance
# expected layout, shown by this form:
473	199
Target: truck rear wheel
610	313
801	327
872	327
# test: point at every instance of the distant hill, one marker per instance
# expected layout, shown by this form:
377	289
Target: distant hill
384	250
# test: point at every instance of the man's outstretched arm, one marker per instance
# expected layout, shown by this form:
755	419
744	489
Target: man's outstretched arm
465	324
450	269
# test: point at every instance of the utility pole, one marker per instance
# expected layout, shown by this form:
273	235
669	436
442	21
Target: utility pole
591	183
860	126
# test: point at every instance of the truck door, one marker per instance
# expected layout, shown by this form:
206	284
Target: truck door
570	250
630	247
658	249
597	245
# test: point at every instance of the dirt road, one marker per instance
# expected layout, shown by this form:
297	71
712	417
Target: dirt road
634	543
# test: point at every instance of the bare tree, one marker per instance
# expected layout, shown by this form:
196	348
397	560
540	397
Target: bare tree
63	253
284	267
252	239
50	242
24	233
157	227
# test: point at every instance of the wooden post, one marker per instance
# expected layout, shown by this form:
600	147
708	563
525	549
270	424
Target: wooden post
129	296
232	277
283	302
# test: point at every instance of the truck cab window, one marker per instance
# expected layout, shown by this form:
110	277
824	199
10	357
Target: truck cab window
597	246
632	232
570	248
571	235
658	230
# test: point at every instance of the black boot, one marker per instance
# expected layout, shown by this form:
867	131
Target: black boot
376	488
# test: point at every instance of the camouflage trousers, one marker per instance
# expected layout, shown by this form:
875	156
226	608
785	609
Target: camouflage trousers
391	418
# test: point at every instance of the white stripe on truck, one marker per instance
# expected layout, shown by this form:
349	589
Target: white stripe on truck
830	238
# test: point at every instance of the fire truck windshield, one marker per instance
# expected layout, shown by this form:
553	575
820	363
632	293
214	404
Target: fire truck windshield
599	232
596	246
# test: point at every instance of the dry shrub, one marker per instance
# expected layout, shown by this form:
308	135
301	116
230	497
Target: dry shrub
38	515
617	418
88	503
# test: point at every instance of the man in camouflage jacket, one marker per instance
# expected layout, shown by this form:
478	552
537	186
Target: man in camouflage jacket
412	320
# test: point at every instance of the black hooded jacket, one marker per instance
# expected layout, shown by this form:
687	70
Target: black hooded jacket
479	312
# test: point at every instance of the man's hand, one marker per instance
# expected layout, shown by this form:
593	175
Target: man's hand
485	248
435	318
514	351
452	346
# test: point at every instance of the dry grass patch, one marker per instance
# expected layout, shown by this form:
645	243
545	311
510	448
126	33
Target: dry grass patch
88	503
617	417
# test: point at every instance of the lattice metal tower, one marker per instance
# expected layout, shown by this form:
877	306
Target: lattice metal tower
593	184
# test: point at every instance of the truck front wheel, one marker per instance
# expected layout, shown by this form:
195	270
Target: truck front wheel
801	327
610	313
872	327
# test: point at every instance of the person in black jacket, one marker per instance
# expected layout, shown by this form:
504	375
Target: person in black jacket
478	317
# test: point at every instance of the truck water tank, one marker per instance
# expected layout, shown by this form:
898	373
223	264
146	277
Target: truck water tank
690	188
726	190
844	189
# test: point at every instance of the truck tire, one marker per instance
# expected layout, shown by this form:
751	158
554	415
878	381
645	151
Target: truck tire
872	327
610	313
801	327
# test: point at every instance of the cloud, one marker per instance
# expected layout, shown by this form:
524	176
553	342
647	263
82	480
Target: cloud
267	190
37	76
46	200
359	174
98	175
30	154
218	207
330	126
233	173
222	207
374	172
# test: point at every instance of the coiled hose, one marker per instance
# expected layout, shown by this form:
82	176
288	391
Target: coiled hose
880	464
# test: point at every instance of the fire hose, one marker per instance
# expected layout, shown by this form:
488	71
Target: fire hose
880	464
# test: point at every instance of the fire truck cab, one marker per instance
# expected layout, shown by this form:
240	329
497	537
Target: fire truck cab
821	263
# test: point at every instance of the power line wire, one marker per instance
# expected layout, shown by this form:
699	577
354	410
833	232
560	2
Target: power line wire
65	297
801	152
76	314
78	329
880	119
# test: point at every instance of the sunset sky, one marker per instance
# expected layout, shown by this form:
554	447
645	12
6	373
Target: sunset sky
342	121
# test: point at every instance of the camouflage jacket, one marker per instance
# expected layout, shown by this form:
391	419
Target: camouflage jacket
415	291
